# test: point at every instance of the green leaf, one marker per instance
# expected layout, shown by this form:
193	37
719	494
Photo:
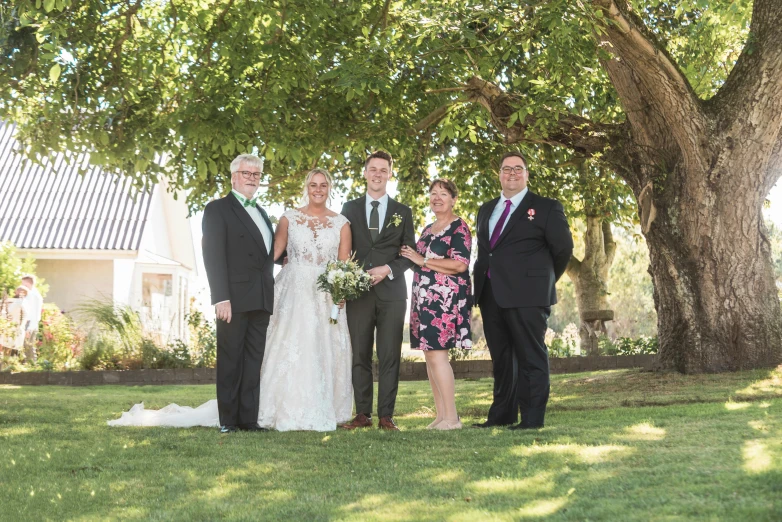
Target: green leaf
103	137
54	72
48	5
513	119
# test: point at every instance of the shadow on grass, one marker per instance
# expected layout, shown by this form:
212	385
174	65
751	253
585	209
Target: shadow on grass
710	460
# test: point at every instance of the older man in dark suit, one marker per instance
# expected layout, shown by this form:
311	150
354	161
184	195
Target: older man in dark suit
238	249
524	245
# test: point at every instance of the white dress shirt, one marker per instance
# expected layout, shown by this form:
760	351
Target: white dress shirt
381	217
35	304
257	218
500	208
381	209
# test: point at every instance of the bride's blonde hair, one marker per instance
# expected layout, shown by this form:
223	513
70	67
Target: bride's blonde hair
305	198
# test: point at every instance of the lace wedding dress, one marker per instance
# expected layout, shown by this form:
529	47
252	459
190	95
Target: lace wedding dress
306	371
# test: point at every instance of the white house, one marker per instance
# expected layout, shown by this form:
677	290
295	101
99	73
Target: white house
97	236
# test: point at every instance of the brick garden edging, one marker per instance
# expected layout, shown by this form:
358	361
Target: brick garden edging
408	371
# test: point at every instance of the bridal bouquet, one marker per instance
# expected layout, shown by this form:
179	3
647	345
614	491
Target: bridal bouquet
344	281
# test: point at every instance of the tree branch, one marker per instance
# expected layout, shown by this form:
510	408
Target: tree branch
382	20
573	269
609	245
574	132
749	105
649	81
434	117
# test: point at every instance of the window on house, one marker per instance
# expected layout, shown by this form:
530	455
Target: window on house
157	302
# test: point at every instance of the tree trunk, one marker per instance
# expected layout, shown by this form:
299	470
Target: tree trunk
700	171
715	291
590	277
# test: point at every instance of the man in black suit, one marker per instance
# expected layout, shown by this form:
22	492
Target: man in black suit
524	245
380	226
238	249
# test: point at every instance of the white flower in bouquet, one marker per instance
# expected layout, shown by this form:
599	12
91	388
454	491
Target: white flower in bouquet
344	281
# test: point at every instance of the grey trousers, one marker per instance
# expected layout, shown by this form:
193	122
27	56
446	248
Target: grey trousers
365	315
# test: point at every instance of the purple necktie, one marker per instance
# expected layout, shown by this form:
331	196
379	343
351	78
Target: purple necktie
495	235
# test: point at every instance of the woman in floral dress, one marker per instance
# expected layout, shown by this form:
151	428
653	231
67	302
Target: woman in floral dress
441	298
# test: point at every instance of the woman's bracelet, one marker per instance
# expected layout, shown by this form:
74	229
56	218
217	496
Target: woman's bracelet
424	263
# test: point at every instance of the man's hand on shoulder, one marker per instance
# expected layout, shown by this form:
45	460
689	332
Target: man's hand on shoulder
223	311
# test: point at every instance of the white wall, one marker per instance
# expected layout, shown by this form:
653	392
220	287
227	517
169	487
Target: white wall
123	281
156	238
73	280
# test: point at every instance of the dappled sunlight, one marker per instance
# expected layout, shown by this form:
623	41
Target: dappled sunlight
586	454
219	491
9	387
543	507
562	398
448	476
421	413
759	425
543	482
757	458
368	501
642	431
733	406
771	385
15	431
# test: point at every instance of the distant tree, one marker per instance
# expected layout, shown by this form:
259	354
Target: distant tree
13	267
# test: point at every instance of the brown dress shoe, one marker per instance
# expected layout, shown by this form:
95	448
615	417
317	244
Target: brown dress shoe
387	423
360	421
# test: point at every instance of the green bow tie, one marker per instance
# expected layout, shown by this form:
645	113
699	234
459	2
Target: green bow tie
244	201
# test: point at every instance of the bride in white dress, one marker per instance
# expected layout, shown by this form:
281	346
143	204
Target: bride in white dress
306	371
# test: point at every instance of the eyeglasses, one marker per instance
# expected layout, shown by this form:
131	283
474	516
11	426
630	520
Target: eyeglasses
248	174
518	169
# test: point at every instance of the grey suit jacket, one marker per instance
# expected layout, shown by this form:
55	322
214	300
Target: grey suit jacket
384	251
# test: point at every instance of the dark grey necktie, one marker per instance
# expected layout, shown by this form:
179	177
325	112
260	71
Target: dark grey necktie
374	221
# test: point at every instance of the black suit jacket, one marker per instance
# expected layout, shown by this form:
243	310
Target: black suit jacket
238	266
384	251
530	255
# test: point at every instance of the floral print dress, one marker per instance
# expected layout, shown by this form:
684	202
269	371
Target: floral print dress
441	304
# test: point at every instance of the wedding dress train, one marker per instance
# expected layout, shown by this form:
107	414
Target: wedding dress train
306	372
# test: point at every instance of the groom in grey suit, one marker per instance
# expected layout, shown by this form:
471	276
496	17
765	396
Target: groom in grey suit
380	226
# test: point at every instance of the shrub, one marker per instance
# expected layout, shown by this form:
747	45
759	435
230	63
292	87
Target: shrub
560	348
122	320
102	351
204	337
177	355
59	342
641	346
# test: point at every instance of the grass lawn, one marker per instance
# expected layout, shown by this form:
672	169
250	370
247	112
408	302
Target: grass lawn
619	445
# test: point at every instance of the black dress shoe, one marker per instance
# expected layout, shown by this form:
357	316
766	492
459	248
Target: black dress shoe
227	429
522	426
490	424
252	427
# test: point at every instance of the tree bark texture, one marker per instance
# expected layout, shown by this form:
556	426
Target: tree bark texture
590	278
704	168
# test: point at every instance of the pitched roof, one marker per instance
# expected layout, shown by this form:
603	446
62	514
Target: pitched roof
55	207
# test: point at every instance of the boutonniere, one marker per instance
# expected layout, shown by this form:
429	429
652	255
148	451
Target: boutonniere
531	214
395	220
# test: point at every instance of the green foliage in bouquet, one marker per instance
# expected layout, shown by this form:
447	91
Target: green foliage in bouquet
344	280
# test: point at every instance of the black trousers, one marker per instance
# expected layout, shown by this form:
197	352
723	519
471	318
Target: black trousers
365	315
240	347
516	339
